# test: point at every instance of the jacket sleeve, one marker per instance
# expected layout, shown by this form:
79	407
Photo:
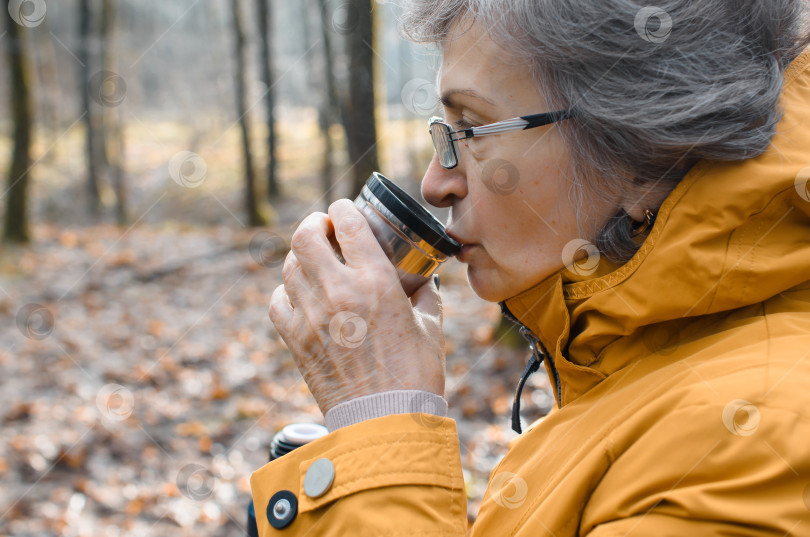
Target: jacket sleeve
384	404
392	475
708	470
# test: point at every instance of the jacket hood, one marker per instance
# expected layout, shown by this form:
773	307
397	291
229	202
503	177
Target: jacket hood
730	235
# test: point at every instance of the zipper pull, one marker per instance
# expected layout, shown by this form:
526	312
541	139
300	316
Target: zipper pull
534	364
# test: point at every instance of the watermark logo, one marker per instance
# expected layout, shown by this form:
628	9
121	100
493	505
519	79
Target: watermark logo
107	88
268	249
341	19
573	258
508	490
195	482
661	339
500	176
427	411
803	184
28	13
35	321
653	24
741	417
115	402
187	169
419	97
348	329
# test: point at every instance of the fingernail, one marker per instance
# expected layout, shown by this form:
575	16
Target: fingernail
436	281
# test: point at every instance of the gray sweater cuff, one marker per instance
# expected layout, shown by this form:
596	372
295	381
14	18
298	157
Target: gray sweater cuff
384	404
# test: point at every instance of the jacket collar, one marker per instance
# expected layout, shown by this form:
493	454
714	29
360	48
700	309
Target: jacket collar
731	234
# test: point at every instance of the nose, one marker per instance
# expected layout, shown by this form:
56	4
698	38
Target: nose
442	187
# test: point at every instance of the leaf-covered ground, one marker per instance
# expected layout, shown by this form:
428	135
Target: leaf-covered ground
141	381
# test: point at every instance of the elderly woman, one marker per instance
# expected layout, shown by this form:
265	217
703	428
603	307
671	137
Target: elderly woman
647	223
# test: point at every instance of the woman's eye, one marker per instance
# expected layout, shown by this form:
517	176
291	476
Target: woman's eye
463	124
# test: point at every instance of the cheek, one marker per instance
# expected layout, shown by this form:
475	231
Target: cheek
524	214
523	223
546	198
508	229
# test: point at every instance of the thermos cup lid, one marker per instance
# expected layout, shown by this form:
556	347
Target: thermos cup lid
302	433
412	214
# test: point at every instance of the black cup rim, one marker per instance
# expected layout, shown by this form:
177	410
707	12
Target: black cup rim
412	214
286	445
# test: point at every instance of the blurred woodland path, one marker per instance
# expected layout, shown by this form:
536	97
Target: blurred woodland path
157	157
134	378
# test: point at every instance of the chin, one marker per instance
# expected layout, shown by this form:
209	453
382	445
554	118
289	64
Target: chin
486	285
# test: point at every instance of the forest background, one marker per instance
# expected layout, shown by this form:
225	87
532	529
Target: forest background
156	158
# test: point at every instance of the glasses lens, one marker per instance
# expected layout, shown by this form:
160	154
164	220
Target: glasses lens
445	151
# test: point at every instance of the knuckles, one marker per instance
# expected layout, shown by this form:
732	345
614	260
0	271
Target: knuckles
346	217
276	311
302	239
290	266
350	226
340	299
341	205
305	236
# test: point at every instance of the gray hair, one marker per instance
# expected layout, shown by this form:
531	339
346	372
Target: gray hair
655	88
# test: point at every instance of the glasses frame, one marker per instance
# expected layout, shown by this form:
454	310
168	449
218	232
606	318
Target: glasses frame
507	125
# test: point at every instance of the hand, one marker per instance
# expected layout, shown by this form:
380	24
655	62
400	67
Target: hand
351	328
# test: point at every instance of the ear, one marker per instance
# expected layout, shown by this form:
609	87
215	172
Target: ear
648	196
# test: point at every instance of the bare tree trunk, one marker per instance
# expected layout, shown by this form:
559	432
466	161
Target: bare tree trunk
51	96
328	111
361	131
16	221
265	13
93	191
112	128
251	205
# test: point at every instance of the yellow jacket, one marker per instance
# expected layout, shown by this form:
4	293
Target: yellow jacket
683	383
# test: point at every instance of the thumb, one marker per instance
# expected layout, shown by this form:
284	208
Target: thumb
427	300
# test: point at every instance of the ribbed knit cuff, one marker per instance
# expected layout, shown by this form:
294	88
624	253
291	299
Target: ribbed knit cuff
384	404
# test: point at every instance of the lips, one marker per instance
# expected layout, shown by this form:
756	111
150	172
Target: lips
466	246
456	237
464	254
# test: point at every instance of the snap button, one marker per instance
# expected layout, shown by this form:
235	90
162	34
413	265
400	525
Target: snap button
319	477
282	509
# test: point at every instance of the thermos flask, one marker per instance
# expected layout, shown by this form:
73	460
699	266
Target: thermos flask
413	239
287	439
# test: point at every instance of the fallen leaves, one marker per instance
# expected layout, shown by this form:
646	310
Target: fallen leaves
190	372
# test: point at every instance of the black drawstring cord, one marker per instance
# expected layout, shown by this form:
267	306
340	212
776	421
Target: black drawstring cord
534	364
535	360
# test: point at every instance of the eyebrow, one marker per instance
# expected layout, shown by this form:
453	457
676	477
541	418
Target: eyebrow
447	97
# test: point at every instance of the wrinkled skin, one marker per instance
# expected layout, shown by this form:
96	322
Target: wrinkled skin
353	330
516	227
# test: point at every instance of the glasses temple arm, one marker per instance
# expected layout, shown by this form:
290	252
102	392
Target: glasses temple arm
538	120
514	124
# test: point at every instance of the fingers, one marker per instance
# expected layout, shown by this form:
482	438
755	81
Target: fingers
357	242
281	311
297	286
310	244
309	300
427	300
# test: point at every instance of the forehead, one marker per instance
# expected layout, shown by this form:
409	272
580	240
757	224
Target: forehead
469	56
471	60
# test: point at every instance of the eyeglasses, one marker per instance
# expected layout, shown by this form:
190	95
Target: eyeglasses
444	137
